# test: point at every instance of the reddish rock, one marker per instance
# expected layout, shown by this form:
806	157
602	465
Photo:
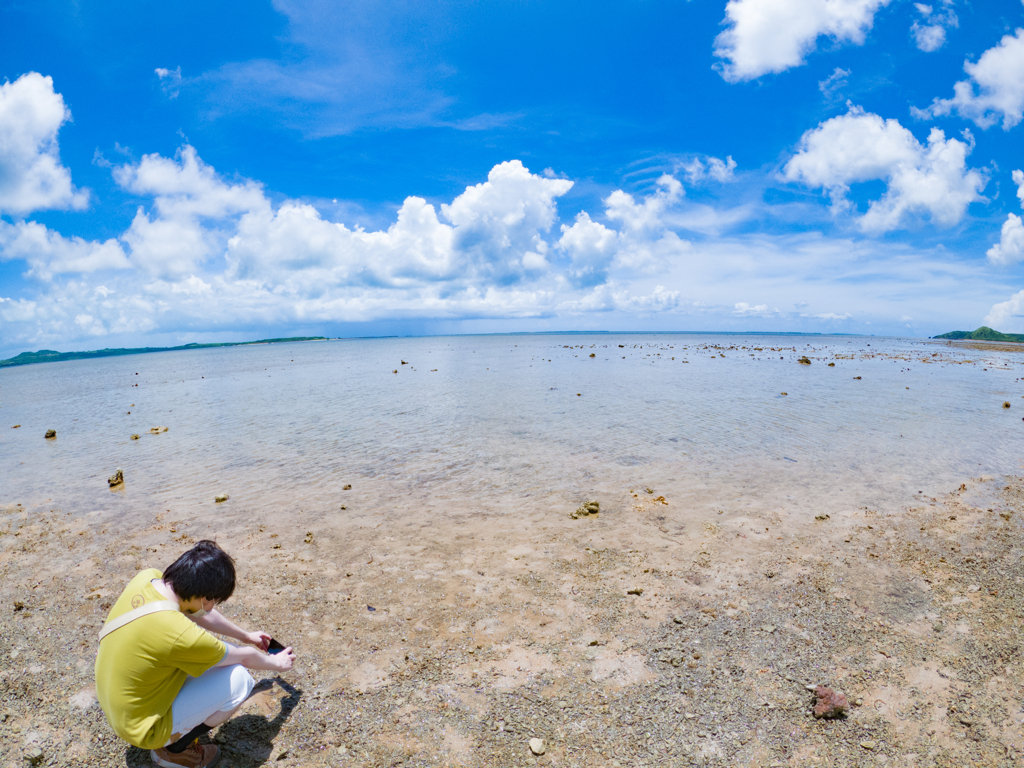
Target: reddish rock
829	703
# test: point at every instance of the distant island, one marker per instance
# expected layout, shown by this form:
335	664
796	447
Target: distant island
50	356
982	334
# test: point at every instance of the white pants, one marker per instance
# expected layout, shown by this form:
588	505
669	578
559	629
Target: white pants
219	689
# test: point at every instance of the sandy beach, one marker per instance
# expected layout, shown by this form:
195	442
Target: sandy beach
655	635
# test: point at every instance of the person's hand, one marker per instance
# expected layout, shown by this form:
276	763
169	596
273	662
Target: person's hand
260	639
283	661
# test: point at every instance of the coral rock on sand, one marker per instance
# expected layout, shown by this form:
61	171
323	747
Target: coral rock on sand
537	746
117	478
51	433
585	509
830	704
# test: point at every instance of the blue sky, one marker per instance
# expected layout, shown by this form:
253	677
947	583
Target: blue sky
205	171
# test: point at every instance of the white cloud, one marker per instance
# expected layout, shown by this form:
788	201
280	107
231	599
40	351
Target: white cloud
501	221
698	169
497	251
773	35
834	83
929	32
742	308
31	175
591	247
1010	248
994	91
859	146
170	80
189	202
644	243
48	253
1007	316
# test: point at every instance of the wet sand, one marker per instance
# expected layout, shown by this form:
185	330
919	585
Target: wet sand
654	633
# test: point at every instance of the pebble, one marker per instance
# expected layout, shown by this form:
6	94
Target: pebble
537	746
34	756
868	744
135	437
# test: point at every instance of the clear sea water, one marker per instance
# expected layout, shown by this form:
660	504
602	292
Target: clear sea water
497	424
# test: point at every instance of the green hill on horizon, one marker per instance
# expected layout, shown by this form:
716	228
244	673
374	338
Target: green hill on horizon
983	334
52	356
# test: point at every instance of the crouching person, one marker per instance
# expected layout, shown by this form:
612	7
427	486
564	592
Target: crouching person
161	678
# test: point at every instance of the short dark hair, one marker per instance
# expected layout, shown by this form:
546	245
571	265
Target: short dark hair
205	571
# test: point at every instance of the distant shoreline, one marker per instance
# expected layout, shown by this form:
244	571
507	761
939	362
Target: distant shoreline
52	356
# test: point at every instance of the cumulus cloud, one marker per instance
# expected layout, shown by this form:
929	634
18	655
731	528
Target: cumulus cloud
208	250
929	32
190	202
31	175
1010	248
766	36
48	253
1007	316
500	223
931	178
643	243
994	90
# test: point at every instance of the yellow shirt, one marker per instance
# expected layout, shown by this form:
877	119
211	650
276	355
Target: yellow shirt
141	667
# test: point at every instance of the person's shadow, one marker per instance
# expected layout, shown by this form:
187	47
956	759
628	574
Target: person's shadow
246	740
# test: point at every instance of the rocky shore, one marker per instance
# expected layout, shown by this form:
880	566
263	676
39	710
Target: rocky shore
648	635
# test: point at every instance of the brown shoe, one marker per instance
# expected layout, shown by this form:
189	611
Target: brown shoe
195	756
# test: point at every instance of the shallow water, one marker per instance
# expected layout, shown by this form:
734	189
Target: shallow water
497	423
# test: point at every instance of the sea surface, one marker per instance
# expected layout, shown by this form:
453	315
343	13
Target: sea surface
497	424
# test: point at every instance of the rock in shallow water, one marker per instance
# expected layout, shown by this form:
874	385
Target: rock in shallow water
829	704
51	433
585	509
117	478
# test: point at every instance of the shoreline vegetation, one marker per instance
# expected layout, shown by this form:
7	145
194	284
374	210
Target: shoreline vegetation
52	356
983	334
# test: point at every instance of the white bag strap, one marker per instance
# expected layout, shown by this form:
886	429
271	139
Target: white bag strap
137	613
